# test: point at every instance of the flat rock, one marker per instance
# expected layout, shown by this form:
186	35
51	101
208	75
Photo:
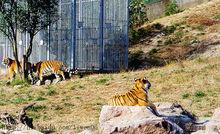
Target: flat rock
27	132
137	119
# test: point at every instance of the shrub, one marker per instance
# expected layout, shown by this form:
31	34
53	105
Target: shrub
135	59
170	29
137	13
169	41
137	35
153	51
172	8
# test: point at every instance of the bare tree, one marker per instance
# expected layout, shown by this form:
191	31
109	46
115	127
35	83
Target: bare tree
29	16
35	15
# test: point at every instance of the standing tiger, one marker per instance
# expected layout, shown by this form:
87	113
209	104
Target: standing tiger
47	68
138	96
12	67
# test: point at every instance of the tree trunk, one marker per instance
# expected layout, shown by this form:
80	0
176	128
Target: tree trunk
25	67
26	56
15	54
29	50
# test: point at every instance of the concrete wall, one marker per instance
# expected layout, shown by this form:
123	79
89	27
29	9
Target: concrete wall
156	10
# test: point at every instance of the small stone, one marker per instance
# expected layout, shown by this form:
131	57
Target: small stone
86	132
216	114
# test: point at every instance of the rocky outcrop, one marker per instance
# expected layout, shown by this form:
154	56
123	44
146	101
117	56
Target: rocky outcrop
136	119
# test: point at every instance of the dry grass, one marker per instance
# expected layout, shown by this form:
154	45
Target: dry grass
76	104
207	10
194	31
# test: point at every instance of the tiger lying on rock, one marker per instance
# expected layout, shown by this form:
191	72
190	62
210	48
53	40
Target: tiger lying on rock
138	96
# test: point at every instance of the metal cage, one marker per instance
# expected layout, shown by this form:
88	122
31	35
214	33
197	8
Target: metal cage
90	35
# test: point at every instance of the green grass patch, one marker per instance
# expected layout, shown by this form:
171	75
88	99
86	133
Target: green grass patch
168	41
201	60
34	115
40	98
2	126
103	81
185	95
3	82
51	91
198	27
78	97
22	99
3	102
37	108
68	105
18	81
170	29
199	94
217	17
18	100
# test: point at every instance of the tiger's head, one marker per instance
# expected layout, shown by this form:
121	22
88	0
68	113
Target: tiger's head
7	61
35	66
142	84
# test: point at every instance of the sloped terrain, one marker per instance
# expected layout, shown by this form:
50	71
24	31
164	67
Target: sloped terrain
192	33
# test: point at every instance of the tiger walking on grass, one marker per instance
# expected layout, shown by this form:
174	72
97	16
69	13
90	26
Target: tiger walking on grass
46	68
138	96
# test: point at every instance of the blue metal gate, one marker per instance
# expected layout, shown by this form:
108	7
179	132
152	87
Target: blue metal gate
90	35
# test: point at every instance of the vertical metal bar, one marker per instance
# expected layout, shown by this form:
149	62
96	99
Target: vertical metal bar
6	48
59	41
127	28
101	19
48	44
73	32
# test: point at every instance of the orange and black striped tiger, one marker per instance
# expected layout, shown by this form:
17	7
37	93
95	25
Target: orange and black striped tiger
49	67
138	96
12	67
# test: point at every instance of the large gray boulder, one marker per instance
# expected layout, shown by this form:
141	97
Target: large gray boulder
136	119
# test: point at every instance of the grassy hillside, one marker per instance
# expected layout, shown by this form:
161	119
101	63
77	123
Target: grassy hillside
192	33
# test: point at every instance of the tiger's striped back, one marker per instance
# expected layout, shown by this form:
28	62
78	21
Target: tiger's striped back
46	68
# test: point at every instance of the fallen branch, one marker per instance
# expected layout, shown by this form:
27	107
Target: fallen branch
12	123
